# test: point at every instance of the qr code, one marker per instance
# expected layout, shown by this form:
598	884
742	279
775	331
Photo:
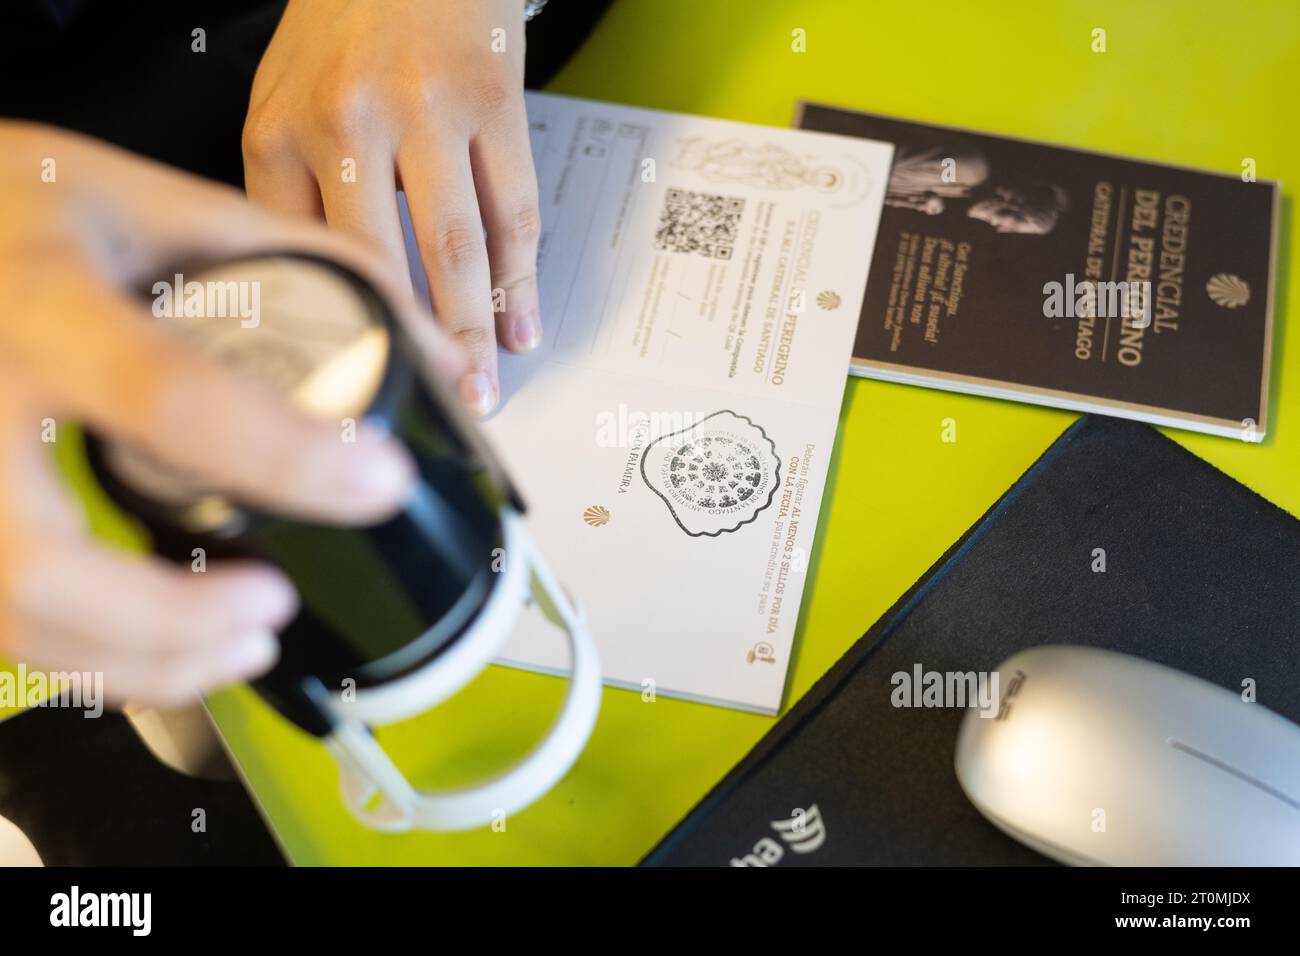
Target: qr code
700	223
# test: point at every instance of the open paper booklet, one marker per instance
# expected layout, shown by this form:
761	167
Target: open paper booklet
701	282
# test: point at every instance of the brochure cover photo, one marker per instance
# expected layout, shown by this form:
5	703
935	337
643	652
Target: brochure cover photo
1070	278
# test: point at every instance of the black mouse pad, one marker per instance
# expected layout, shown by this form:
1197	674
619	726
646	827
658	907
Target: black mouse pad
1200	573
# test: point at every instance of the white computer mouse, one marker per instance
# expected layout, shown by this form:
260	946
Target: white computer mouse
1101	758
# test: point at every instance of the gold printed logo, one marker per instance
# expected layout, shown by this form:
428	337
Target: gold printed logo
828	300
597	516
1228	290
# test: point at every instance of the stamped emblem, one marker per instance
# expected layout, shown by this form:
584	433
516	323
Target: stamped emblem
716	475
1228	290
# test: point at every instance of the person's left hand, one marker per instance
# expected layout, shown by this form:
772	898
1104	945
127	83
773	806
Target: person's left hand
353	101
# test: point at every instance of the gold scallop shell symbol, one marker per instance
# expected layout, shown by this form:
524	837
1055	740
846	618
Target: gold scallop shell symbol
828	300
1228	290
597	516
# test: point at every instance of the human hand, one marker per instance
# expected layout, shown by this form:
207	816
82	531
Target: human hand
426	96
77	342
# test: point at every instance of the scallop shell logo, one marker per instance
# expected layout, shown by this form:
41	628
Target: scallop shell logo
597	516
828	300
715	476
1228	290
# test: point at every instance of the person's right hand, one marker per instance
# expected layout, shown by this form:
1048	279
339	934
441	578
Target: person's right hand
76	343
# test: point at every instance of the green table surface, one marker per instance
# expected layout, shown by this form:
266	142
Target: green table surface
1197	83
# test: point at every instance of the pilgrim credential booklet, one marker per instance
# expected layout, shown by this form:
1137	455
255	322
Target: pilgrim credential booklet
701	282
1064	277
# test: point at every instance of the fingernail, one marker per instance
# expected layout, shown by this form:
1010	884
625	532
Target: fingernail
251	654
375	467
527	332
266	600
477	393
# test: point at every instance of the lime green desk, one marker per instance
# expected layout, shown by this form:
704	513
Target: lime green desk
1200	83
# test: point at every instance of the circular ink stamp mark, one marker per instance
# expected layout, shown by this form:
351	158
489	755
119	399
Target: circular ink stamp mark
715	476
